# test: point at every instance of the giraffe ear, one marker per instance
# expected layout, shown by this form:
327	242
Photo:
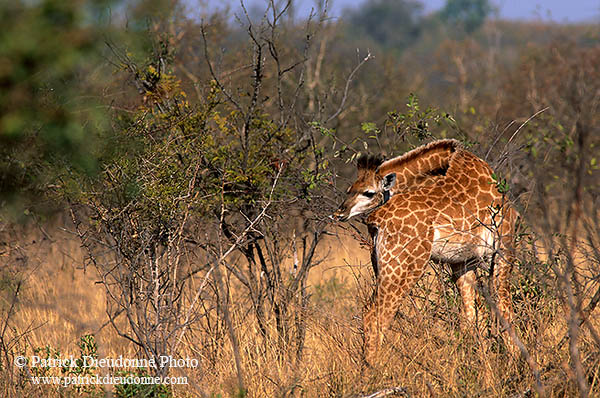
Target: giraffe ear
388	181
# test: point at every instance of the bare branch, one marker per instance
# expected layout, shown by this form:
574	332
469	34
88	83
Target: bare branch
213	74
347	87
539	387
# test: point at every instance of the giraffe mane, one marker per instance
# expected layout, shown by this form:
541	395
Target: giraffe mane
406	160
369	162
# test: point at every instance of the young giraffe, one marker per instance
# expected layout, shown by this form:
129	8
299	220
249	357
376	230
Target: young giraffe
437	202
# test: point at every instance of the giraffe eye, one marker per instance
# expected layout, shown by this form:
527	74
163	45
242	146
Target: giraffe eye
368	194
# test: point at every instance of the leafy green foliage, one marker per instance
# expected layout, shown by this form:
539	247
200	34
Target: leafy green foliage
81	366
192	157
400	131
500	183
87	348
417	122
47	49
140	390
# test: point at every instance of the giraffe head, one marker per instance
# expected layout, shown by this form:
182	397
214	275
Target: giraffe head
369	191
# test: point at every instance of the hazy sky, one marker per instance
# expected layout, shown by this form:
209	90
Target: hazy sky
548	10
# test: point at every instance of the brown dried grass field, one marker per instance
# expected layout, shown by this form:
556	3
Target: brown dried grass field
426	352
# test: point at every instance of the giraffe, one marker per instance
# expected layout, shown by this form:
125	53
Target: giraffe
439	202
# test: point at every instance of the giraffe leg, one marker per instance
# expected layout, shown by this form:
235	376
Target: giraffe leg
501	279
501	276
397	274
466	280
504	265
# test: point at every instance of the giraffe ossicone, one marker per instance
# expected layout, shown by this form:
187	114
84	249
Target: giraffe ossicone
438	201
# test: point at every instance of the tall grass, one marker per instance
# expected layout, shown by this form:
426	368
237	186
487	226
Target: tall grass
428	351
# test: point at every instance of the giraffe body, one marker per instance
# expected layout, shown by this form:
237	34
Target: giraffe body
437	202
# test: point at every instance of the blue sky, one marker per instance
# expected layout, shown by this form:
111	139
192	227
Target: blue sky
546	10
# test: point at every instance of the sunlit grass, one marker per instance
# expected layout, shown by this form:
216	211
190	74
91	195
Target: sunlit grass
427	351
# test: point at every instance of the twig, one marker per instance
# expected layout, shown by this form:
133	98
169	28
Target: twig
515	133
524	123
214	75
224	255
347	88
387	392
539	387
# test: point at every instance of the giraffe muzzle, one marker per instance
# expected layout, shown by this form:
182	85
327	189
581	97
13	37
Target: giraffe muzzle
341	214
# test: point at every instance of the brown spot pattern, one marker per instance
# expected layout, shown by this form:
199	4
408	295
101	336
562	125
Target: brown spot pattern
455	206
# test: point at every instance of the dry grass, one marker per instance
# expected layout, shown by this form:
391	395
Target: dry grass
426	352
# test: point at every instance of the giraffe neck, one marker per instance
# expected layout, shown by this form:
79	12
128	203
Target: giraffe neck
420	166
